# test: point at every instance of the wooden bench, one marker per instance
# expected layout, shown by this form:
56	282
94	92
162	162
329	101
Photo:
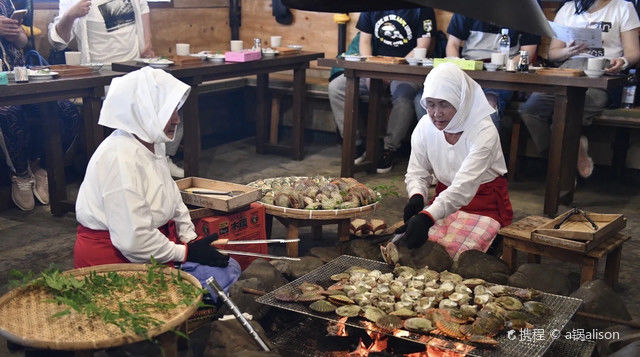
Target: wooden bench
517	236
621	119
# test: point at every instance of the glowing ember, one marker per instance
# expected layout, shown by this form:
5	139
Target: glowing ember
338	328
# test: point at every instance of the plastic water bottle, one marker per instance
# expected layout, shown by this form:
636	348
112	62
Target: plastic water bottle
629	90
505	44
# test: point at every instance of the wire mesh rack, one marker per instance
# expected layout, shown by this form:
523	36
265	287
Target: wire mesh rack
533	344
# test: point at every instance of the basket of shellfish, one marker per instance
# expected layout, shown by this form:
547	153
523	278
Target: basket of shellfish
316	197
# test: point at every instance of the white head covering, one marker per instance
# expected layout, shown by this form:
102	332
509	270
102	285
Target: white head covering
142	102
448	82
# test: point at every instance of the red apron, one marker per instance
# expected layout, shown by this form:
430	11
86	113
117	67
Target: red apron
95	248
491	200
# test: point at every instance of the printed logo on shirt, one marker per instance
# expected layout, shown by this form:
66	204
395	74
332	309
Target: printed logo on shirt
427	26
393	30
604	26
117	14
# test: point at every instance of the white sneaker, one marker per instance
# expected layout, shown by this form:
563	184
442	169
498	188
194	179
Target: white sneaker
22	192
174	169
41	186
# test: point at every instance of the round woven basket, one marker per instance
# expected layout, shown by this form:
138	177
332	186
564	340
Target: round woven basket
318	214
25	316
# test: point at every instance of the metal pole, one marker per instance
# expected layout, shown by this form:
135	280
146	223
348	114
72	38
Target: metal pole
235	16
213	284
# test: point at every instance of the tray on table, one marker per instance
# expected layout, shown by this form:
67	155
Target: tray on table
217	202
563	308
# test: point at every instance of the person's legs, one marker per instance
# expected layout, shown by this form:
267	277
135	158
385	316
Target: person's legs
420	111
498	99
401	118
595	101
16	140
337	89
536	114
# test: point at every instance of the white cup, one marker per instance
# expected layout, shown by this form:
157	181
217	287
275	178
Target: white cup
236	46
276	41
419	52
182	49
72	58
595	64
498	58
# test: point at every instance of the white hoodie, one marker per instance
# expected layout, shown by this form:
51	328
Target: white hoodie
127	189
475	159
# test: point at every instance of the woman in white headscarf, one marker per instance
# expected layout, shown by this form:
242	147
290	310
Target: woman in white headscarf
457	143
129	208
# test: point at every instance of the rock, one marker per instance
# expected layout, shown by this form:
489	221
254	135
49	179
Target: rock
541	277
476	264
326	254
598	298
364	249
228	338
304	266
266	273
281	265
430	254
627	335
630	350
247	302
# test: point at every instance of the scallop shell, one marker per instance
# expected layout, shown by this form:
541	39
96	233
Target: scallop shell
461	288
322	306
400	269
286	296
340	276
389	322
509	303
307	287
481	299
418	324
341	300
537	309
373	313
348	310
473	282
403	313
449	276
309	296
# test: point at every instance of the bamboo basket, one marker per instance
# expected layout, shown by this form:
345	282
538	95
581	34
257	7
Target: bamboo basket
25	316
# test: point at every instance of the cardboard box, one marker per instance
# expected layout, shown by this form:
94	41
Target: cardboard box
462	63
217	202
244	56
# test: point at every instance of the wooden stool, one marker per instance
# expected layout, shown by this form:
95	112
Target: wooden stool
293	224
517	237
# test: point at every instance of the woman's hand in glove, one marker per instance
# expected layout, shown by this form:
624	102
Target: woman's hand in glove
415	205
418	229
201	251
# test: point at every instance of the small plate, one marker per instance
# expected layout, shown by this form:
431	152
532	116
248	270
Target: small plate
594	73
156	62
491	67
354	58
216	57
202	55
41	74
269	52
295	47
413	61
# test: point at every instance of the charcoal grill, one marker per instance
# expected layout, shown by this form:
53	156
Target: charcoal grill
563	308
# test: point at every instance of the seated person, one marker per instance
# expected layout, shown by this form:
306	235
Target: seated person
129	209
459	146
21	127
387	33
619	23
478	40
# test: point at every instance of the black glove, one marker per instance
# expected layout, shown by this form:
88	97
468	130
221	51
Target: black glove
415	205
418	229
201	251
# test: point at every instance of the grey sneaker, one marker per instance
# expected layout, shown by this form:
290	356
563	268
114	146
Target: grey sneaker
41	186
22	192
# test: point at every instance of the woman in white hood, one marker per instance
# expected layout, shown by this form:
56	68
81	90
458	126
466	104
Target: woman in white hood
129	208
456	143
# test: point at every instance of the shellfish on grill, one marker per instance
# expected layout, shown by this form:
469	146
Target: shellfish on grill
389	322
348	310
372	313
309	297
403	313
340	276
537	309
341	300
508	303
418	324
286	296
322	306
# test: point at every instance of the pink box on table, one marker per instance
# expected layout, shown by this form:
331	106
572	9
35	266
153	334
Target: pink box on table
243	56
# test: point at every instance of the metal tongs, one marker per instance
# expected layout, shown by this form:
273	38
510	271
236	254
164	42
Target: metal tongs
574	212
257	241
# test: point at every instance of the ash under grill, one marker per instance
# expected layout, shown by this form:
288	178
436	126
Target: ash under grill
563	308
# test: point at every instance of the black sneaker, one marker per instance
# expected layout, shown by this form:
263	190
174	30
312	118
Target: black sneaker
360	154
385	163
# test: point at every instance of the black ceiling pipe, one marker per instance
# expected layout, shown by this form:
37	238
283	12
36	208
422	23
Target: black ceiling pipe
235	17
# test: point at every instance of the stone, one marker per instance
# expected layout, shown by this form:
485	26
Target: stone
281	265
430	254
247	302
266	273
229	338
304	266
476	264
598	298
326	254
543	277
627	335
364	249
630	350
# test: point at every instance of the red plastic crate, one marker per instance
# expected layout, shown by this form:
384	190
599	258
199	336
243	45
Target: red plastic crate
244	225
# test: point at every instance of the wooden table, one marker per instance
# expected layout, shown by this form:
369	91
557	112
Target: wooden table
195	74
565	128
517	236
90	88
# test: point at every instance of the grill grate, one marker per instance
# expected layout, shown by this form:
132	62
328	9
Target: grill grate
563	309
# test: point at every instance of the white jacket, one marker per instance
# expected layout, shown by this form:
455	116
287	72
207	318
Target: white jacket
127	189
79	29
